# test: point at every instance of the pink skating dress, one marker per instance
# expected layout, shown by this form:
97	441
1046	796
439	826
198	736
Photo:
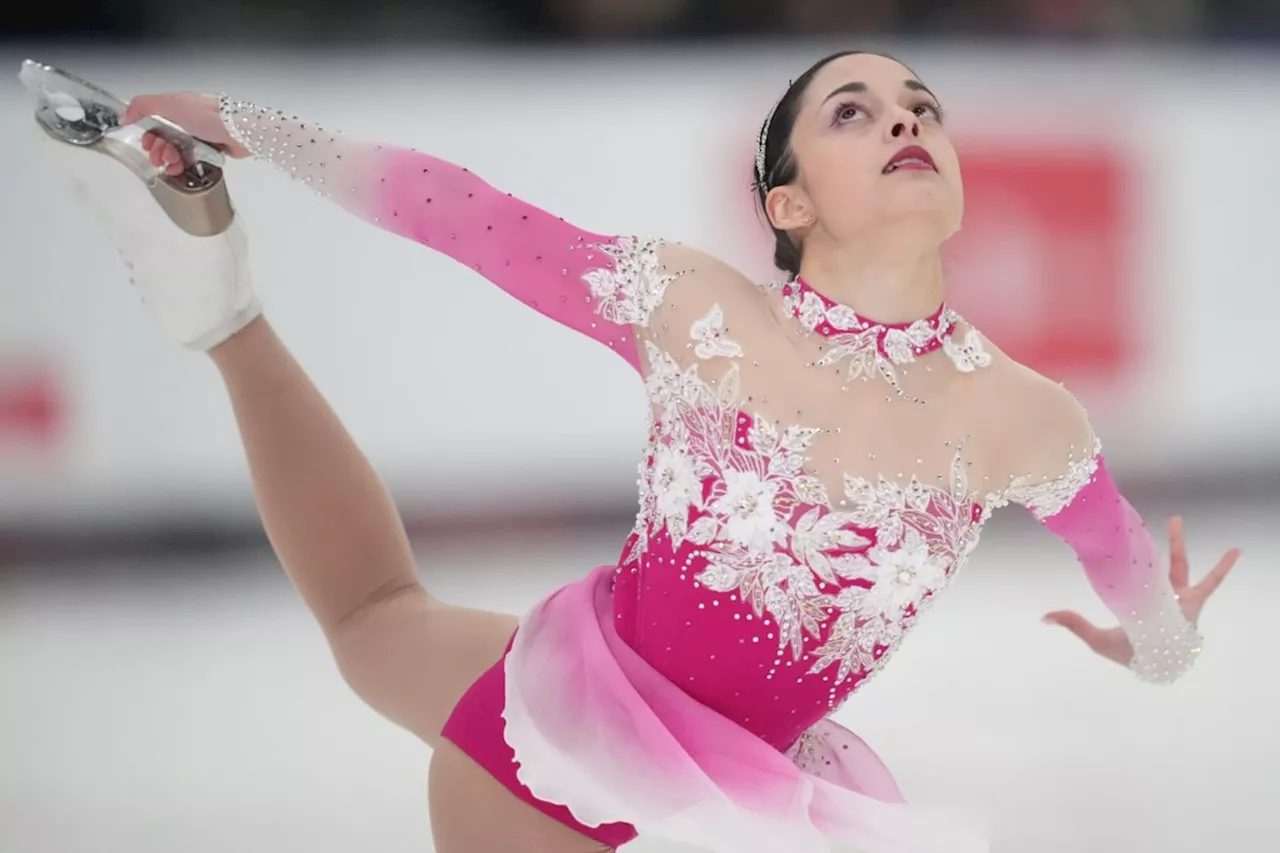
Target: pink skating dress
813	480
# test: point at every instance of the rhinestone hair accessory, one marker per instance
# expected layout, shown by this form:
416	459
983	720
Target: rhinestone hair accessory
761	182
762	142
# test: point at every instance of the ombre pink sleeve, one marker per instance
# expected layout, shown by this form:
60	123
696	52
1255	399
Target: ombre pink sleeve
1085	508
602	286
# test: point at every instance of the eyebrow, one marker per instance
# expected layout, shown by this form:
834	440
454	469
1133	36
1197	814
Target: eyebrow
910	83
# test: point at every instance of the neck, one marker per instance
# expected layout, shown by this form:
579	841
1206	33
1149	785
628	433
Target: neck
883	288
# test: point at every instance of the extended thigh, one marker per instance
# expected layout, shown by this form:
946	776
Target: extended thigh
411	657
471	812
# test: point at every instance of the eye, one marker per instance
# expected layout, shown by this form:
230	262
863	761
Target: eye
928	110
846	113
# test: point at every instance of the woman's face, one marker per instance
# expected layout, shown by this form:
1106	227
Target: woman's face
858	114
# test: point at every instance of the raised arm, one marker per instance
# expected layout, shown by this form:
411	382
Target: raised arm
600	285
1078	500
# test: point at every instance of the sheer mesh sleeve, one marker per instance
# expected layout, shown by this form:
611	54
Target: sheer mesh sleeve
1083	506
602	286
1120	559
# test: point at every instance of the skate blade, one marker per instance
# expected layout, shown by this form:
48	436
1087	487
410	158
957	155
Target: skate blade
79	115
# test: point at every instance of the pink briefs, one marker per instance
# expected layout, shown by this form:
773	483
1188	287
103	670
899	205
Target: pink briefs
476	727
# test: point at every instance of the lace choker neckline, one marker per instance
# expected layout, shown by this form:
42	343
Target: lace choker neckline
897	342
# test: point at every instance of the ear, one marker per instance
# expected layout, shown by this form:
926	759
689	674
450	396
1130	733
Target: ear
789	208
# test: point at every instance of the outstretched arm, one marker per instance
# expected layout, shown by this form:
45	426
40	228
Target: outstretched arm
1123	566
600	285
1080	503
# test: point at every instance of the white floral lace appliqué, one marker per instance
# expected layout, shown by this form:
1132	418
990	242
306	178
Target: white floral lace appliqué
711	339
1046	499
765	528
859	343
628	292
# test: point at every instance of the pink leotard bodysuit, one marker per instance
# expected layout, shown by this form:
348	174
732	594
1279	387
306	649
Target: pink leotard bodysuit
813	480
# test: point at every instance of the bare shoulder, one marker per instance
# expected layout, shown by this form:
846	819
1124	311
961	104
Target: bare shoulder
1044	425
675	254
701	269
699	283
707	313
1044	405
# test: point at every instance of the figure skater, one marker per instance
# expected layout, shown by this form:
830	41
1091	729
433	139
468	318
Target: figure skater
823	454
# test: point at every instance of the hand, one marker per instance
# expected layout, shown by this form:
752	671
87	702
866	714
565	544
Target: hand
196	114
1113	643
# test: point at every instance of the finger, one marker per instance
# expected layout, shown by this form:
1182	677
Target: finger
148	139
172	160
165	157
142	105
1078	625
1214	579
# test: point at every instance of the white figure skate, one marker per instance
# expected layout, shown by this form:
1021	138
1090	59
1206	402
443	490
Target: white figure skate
179	235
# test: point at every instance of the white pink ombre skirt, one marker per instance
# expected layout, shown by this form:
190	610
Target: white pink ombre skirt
575	723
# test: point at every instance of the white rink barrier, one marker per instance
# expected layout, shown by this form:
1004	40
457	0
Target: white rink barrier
1119	235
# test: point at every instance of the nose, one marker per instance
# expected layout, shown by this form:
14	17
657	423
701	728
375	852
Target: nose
904	125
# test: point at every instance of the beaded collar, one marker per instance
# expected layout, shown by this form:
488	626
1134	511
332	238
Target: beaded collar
877	348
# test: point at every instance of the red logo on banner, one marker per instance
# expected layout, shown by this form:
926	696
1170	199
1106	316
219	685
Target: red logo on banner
31	409
1041	265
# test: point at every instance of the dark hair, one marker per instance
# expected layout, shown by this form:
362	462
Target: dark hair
780	167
